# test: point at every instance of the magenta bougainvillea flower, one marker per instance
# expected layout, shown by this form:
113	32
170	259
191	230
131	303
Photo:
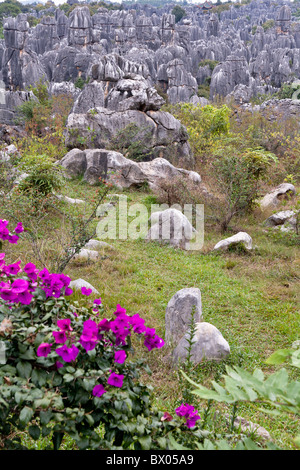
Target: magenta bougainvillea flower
137	323
68	354
44	275
189	413
24	298
116	380
60	336
31	271
19	228
86	291
120	356
13	239
4	232
7	294
98	390
13	269
64	324
119	310
19	286
104	325
44	349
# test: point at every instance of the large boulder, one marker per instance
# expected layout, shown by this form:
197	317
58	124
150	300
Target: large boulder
166	136
134	92
282	192
209	344
179	313
113	167
240	238
171	227
279	218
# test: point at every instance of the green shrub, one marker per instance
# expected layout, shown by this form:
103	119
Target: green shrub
43	178
203	91
268	24
80	82
211	63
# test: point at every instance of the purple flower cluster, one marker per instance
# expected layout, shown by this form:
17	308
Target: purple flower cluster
68	354
15	290
189	413
6	235
54	285
20	290
94	332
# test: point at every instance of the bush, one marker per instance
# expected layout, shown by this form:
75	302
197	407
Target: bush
178	12
65	369
80	82
204	125
211	63
268	24
44	116
237	179
43	178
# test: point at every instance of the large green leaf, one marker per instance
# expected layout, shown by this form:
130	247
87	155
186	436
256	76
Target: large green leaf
26	415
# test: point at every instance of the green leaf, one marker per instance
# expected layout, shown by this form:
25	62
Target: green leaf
26	415
29	354
19	397
173	445
297	441
34	432
250	445
57	439
145	442
24	369
280	356
89	419
68	378
45	416
162	442
296	359
223	445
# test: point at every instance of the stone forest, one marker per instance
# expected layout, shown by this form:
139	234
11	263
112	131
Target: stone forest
150	227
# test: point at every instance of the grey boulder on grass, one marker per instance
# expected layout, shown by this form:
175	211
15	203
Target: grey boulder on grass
239	238
208	343
179	313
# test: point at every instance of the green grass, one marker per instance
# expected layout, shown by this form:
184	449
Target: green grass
252	298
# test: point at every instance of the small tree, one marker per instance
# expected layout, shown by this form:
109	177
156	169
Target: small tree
178	12
237	178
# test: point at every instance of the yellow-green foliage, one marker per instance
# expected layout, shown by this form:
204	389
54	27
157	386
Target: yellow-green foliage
204	125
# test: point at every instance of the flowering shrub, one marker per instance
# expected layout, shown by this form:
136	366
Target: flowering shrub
67	370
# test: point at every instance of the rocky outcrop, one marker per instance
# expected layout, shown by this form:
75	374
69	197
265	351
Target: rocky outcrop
131	101
20	64
113	167
10	101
